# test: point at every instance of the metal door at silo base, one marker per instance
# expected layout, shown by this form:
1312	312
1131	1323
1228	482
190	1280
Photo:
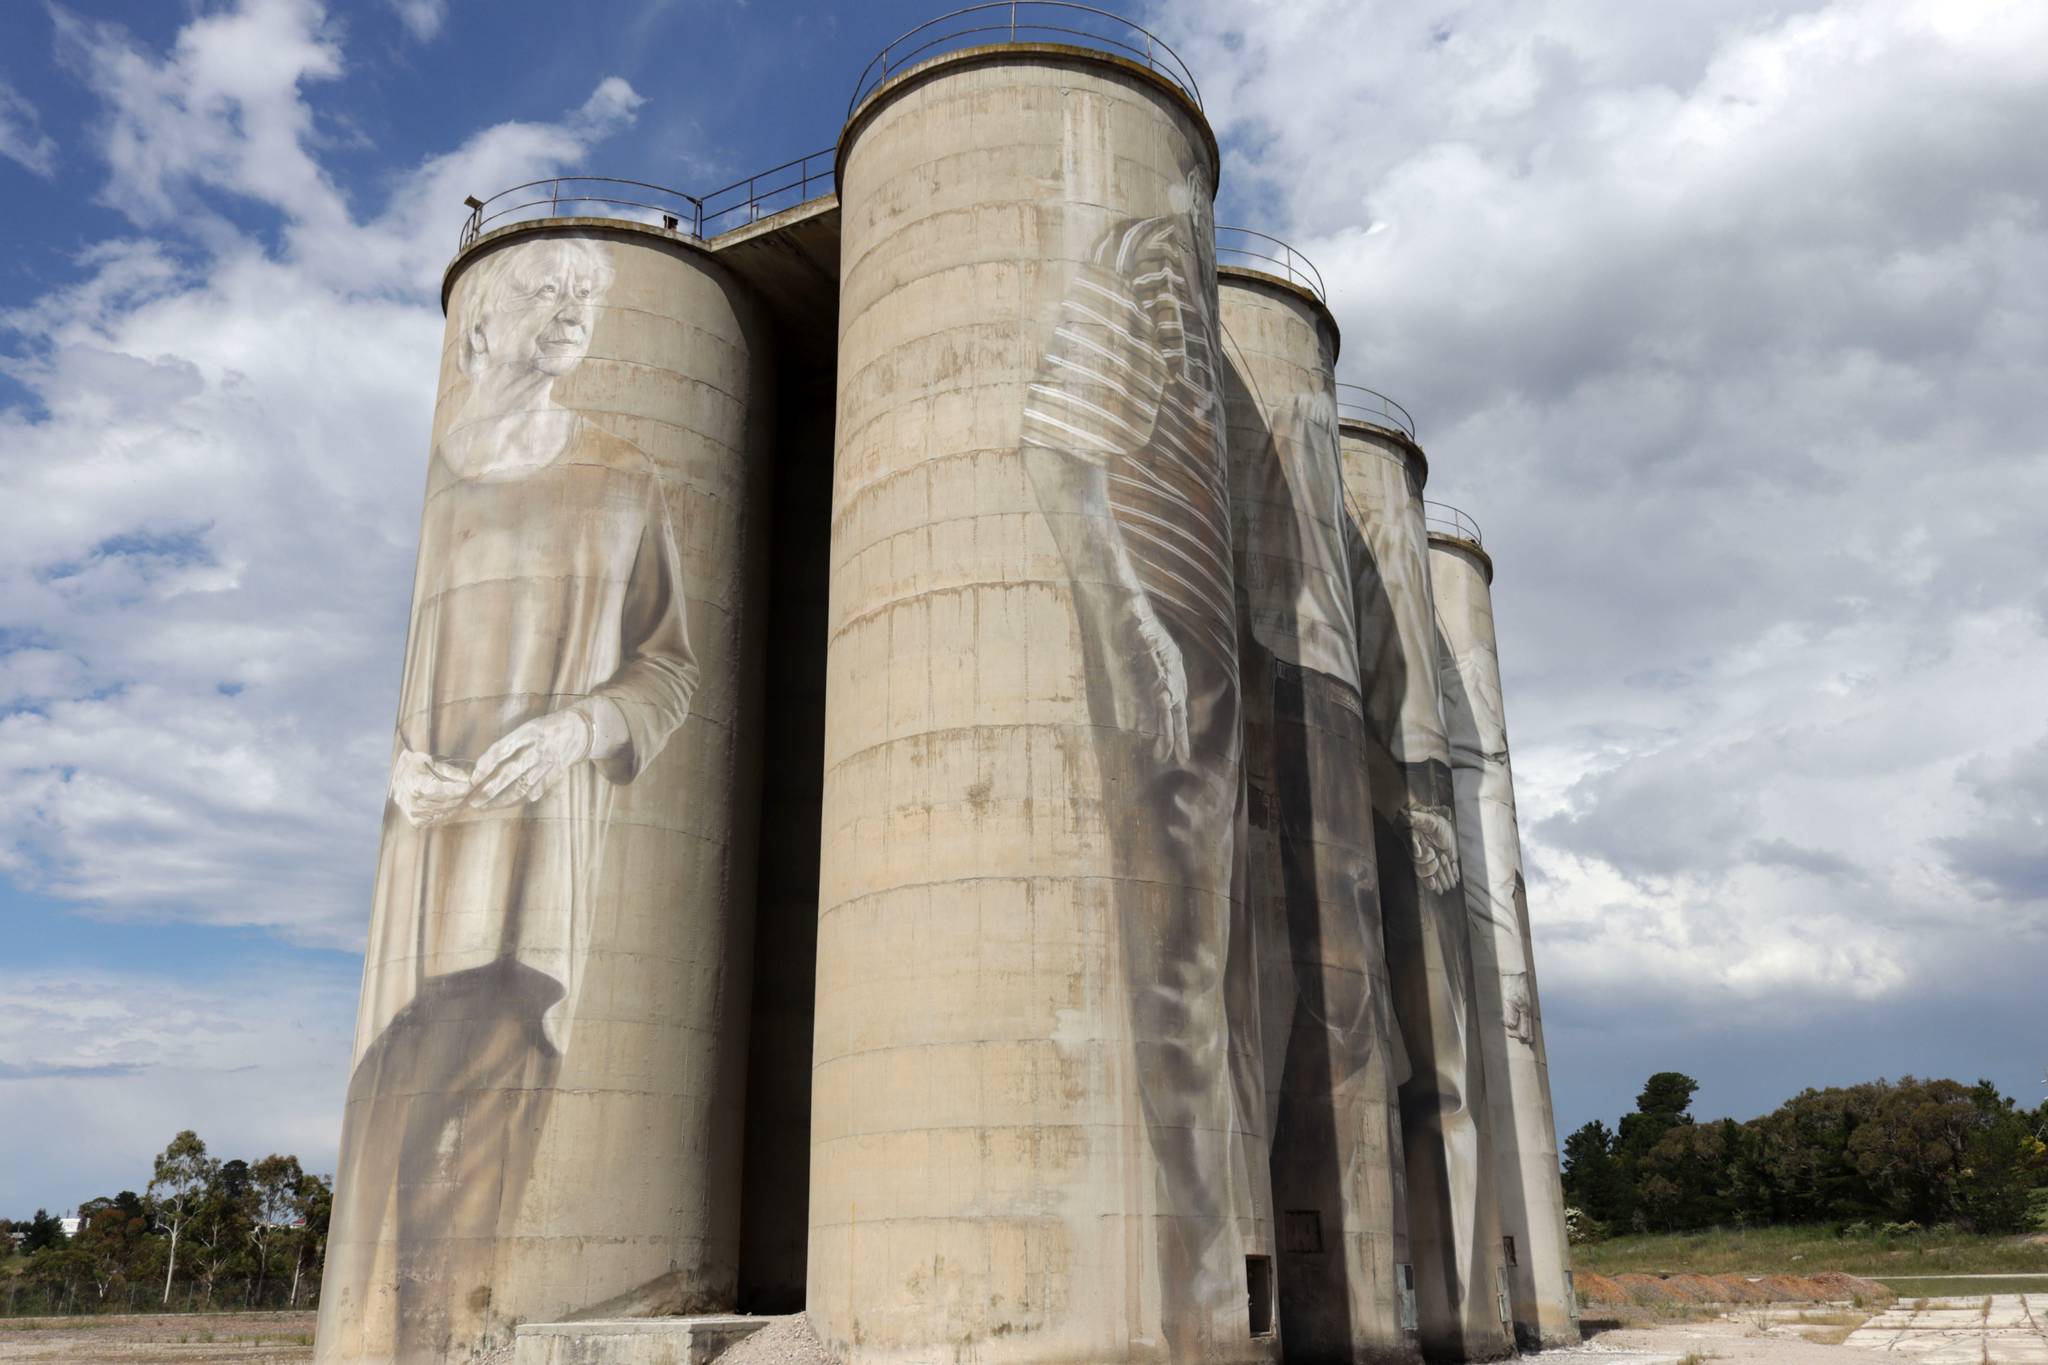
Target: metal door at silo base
1326	1019
543	1112
1028	1142
1452	1221
1520	1121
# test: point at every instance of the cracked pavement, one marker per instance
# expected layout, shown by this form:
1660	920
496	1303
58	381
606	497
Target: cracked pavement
1987	1330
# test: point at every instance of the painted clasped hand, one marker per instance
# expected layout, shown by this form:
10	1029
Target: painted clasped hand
428	790
527	763
1433	844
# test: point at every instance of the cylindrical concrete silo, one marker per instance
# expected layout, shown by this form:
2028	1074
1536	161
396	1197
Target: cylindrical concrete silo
1453	1227
1026	1143
544	1109
1313	893
1520	1121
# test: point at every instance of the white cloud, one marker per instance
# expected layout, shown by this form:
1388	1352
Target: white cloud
119	1062
223	114
422	18
1726	322
207	519
22	138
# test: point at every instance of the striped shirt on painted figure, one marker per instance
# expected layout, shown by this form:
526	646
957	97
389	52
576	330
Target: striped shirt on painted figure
1130	383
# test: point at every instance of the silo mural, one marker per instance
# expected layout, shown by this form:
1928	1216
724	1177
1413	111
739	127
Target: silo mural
1169	979
1520	1120
1329	1052
1030	960
550	995
1453	1231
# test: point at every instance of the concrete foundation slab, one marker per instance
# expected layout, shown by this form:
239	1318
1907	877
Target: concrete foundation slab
1994	1328
632	1341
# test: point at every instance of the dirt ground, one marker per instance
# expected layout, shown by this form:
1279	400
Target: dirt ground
170	1339
1991	1328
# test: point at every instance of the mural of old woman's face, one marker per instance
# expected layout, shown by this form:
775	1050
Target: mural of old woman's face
539	316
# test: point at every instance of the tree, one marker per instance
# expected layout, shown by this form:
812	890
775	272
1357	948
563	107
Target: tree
1687	1180
1663	1104
56	1270
220	1225
184	1173
274	1182
109	1240
1908	1151
315	1208
1593	1180
2002	1162
44	1233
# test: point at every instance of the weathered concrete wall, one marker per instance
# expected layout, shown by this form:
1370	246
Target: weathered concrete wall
1519	1120
543	1115
1024	1139
1453	1227
1312	889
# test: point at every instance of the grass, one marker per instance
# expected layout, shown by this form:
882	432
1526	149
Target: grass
1910	1287
1824	1326
1809	1250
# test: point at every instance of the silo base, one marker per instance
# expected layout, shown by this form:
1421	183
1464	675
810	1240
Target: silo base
633	1341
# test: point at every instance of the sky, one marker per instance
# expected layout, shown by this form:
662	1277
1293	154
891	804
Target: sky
1728	321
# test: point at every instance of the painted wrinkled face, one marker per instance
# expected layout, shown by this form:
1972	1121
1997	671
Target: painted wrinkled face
543	318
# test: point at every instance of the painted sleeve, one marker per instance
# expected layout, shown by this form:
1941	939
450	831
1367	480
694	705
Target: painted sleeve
653	686
1096	394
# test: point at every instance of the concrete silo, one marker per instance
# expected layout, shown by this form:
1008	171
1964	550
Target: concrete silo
1453	1229
1026	1141
543	1113
1312	889
1520	1121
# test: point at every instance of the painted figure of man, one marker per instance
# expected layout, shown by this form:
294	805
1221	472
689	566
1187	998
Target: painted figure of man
547	662
1452	1221
1123	441
1332	1051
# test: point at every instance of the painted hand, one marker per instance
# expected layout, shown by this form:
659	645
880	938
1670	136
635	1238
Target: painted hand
1160	685
526	764
1433	844
427	790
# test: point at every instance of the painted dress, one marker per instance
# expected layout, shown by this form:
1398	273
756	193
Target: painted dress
537	592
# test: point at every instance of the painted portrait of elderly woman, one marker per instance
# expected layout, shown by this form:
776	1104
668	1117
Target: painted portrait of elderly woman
547	665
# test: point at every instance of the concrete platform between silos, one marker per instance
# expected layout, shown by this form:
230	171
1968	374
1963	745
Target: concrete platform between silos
632	1341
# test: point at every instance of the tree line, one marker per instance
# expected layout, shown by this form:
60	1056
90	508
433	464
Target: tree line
206	1234
1885	1155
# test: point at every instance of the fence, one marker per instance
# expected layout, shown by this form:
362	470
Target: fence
602	196
1023	21
1445	520
1361	404
1259	251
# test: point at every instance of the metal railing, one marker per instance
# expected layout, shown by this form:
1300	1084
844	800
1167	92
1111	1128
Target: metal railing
1025	21
1442	519
766	192
1358	402
1258	251
604	196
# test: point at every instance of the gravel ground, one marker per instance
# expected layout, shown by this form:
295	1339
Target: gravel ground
167	1339
784	1341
